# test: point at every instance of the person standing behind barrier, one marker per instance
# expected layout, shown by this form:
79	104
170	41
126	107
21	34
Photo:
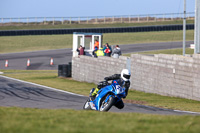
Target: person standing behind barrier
105	47
107	51
96	44
81	50
116	52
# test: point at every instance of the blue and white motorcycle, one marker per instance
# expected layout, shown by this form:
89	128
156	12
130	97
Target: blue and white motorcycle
106	97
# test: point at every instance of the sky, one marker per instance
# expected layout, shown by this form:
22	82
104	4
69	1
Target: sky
80	8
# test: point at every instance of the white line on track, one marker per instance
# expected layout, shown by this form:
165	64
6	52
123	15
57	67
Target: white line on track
190	112
50	88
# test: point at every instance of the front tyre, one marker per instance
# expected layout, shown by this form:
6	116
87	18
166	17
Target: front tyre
86	106
105	106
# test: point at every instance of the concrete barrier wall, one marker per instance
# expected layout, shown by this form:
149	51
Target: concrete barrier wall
93	70
169	75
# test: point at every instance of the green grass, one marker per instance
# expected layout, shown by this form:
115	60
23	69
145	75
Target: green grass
9	44
168	51
24	120
60	26
49	78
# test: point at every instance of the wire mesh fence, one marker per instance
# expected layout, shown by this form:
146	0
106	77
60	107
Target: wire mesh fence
97	19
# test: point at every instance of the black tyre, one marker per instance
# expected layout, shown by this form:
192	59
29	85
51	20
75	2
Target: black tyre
105	106
86	106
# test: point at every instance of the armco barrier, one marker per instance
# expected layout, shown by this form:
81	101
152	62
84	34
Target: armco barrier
96	30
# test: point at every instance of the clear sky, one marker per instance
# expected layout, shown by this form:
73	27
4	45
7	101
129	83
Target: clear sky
76	8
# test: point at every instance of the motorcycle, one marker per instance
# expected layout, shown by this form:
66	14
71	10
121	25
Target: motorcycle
106	97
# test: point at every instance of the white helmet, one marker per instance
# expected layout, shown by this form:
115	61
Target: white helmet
125	74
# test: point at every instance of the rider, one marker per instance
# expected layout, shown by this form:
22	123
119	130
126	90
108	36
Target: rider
122	79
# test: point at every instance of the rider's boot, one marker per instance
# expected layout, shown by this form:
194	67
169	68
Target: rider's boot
92	97
93	93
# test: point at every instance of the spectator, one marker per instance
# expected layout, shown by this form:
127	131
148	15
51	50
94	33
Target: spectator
107	51
116	52
81	50
105	47
96	44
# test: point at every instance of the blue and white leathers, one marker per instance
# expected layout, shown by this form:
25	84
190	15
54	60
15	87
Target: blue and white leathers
106	97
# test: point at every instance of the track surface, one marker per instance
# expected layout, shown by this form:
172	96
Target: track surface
20	94
40	60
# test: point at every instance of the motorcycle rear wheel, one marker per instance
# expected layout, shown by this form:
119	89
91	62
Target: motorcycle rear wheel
105	106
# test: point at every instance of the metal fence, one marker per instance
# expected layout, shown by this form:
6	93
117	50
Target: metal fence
96	30
98	19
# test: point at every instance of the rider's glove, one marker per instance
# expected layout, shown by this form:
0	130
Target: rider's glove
106	78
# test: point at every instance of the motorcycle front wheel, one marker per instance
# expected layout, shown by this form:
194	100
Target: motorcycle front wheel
86	106
105	106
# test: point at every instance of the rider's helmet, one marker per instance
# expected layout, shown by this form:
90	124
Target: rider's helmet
125	74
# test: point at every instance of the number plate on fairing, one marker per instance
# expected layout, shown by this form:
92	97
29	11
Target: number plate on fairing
119	89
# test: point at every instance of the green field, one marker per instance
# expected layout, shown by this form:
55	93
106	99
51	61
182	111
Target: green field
10	44
24	120
60	26
168	51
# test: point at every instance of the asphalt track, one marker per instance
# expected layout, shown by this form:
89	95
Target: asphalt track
18	93
40	60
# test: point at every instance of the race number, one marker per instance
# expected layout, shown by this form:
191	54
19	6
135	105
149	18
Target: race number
119	89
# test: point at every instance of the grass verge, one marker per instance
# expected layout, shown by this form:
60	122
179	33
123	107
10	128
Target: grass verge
168	51
49	78
9	44
23	120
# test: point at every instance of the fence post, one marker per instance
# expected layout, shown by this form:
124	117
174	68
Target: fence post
147	18
87	20
121	20
2	20
18	20
163	17
155	18
129	19
62	20
27	20
138	18
70	20
113	19
44	20
104	19
53	20
96	19
79	20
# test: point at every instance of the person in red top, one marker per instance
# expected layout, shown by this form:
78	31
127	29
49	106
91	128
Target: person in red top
107	51
80	50
96	44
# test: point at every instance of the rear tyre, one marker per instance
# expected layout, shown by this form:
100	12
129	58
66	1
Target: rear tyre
86	106
105	106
